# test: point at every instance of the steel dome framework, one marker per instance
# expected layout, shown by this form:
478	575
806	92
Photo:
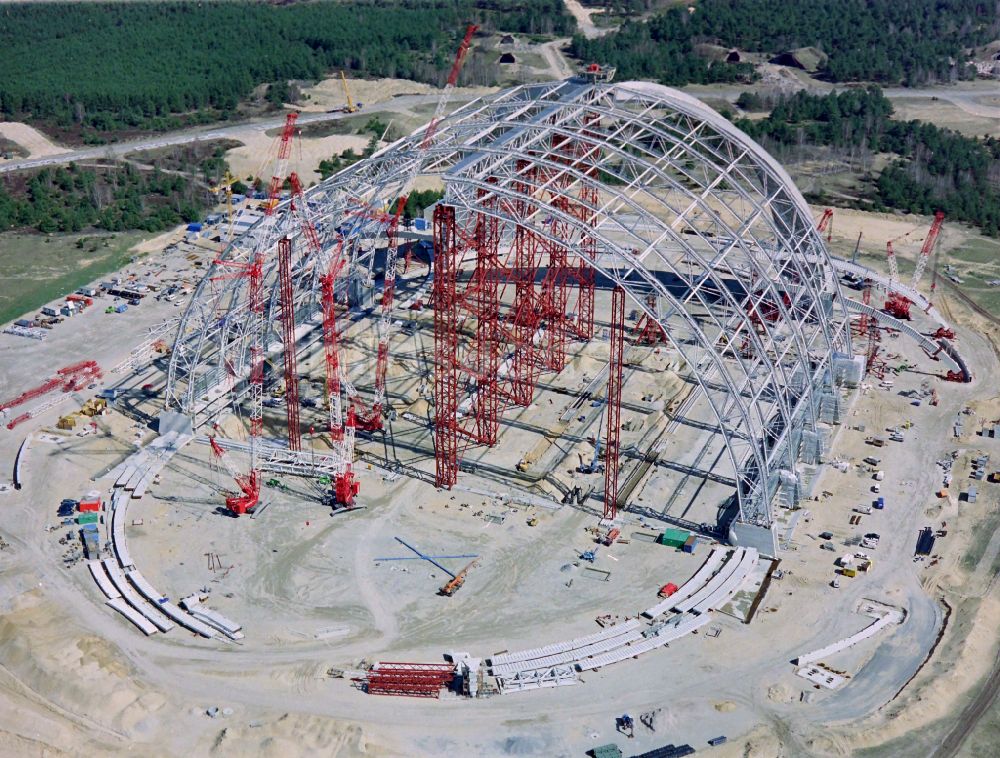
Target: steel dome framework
641	184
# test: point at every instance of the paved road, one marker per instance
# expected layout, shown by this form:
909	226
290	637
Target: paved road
201	134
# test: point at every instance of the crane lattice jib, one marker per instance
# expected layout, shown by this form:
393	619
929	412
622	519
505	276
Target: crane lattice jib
925	251
890	256
373	420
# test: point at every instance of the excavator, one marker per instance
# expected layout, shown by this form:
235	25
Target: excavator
456	582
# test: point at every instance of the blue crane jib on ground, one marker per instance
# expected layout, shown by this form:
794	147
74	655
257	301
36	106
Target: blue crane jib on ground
432	559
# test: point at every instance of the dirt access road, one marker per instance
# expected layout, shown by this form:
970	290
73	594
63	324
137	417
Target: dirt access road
200	134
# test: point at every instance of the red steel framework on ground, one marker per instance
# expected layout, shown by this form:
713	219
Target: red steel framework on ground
471	336
409	679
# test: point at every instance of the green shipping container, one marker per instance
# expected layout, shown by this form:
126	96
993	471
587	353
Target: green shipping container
674	537
87	518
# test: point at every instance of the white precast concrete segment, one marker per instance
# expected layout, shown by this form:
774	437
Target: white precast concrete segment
118	515
132	615
869	631
130	596
101	577
568	657
729	588
692	585
714	583
565	647
673	631
217	621
145	588
187	620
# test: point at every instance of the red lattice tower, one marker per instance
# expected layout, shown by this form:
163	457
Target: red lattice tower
287	294
586	155
554	290
445	347
483	300
526	309
614	410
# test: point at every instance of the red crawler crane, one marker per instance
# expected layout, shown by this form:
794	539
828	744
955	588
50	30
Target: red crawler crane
899	305
372	421
253	270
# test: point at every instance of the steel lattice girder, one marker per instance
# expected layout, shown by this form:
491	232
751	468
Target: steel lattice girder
685	207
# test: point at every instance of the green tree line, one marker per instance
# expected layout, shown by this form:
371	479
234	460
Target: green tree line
934	169
907	42
112	66
116	198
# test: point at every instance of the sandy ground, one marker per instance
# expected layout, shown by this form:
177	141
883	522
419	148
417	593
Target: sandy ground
584	19
253	157
329	93
32	140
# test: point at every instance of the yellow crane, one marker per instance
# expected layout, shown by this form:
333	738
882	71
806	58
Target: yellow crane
350	107
226	185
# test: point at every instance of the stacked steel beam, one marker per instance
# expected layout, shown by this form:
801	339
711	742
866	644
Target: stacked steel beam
409	679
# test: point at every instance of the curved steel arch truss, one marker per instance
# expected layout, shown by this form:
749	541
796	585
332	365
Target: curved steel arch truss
703	230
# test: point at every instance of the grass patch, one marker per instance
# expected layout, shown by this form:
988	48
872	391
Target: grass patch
978	250
36	269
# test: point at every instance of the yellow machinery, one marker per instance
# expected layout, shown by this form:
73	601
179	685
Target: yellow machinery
350	107
226	185
67	422
94	407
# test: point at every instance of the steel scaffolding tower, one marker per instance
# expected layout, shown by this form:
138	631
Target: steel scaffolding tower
613	414
288	330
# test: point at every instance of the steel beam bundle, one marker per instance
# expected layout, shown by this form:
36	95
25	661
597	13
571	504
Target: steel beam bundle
614	410
288	332
409	679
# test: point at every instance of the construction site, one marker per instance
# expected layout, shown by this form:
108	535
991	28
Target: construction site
607	452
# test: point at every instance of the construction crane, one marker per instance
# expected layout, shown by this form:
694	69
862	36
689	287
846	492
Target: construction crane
457	581
350	107
826	224
928	247
373	421
253	271
898	305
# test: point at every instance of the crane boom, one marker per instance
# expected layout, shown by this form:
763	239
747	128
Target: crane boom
826	224
373	420
351	107
891	258
925	251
